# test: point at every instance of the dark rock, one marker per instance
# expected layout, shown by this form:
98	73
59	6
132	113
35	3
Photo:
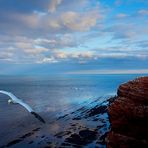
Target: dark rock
63	133
112	99
97	110
43	136
76	118
61	117
88	134
30	142
83	138
13	142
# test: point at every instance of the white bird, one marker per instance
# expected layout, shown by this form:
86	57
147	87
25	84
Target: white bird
14	99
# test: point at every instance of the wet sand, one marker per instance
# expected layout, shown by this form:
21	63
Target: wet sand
86	126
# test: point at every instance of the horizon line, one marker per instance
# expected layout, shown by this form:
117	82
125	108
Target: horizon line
116	71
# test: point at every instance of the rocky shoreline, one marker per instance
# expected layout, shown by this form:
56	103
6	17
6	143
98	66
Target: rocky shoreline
86	126
128	115
117	122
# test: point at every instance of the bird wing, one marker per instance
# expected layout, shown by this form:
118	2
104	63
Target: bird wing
25	105
17	100
31	111
9	94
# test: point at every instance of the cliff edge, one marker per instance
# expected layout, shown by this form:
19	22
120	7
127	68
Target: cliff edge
129	115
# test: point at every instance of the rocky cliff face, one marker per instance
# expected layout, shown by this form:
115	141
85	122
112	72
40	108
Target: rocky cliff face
129	116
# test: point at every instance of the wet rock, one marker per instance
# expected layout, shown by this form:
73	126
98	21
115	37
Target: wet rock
83	138
63	133
77	118
129	115
88	134
43	136
30	142
61	117
102	139
13	142
97	110
27	135
66	144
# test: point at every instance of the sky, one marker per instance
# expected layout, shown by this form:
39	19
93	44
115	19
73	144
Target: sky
73	36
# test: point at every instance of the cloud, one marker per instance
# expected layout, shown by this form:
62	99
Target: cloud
121	15
35	50
142	44
5	55
68	30
58	42
63	22
28	47
47	60
60	55
129	31
143	12
82	55
53	5
81	22
121	31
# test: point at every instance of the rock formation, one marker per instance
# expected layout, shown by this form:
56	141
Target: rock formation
129	116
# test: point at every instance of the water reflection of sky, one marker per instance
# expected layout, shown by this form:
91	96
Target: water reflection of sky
52	93
51	97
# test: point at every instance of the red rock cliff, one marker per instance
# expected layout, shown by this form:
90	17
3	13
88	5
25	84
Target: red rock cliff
129	116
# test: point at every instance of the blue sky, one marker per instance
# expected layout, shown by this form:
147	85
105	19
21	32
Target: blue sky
73	36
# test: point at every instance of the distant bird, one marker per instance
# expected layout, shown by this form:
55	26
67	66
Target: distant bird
14	99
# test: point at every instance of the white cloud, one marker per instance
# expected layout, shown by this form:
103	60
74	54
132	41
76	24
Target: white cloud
66	20
23	45
44	41
54	24
5	55
35	50
30	48
82	55
47	60
53	5
60	55
46	34
79	22
56	42
29	20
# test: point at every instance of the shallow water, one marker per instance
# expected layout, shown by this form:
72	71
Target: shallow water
51	97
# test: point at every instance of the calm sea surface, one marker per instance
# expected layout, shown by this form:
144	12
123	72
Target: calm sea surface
50	96
57	92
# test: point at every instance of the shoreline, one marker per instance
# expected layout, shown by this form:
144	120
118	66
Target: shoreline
86	126
92	124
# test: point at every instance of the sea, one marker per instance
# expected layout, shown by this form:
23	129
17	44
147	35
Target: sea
53	95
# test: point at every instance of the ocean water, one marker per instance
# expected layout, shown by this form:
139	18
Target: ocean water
51	96
56	93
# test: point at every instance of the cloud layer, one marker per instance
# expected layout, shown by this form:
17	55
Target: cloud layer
76	31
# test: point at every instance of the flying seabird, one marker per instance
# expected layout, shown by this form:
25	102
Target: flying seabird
14	99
